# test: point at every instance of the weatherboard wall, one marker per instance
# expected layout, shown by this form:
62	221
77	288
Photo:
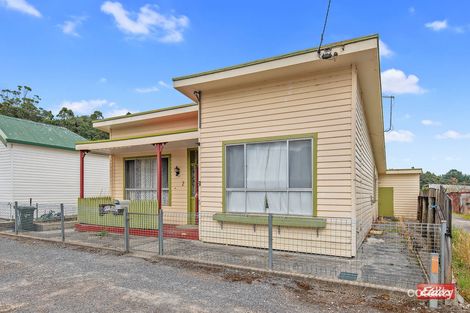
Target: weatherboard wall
5	181
179	184
320	103
51	176
365	179
168	124
405	193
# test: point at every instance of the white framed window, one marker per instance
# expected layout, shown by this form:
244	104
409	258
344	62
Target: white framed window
270	177
141	179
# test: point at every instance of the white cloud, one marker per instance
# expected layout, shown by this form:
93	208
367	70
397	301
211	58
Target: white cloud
399	136
164	84
147	89
148	22
69	27
21	6
452	158
437	25
411	10
407	116
397	82
385	51
87	106
441	25
117	112
452	134
430	123
103	80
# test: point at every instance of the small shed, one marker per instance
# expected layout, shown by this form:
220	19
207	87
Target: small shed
398	193
459	195
39	161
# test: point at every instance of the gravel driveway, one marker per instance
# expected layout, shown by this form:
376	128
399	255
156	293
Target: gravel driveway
47	277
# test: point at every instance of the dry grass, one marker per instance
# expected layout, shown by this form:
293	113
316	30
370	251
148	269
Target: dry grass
461	261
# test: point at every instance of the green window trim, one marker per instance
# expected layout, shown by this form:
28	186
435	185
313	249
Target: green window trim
278	220
313	136
170	173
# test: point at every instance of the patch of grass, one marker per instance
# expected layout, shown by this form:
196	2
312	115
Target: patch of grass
102	233
464	216
461	261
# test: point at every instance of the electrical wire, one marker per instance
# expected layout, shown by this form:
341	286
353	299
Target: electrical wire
324	27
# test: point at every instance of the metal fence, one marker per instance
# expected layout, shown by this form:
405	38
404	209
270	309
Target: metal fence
395	254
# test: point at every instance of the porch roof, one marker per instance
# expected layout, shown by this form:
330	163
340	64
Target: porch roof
174	139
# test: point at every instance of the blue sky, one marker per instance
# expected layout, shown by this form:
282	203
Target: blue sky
119	56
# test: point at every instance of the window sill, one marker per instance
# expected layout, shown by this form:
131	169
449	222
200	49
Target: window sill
278	220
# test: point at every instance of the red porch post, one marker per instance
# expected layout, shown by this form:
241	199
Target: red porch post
196	209
159	148
82	173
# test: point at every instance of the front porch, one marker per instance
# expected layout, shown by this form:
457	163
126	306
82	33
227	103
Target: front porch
148	174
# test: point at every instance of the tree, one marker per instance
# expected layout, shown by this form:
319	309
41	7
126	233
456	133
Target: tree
65	114
21	104
452	177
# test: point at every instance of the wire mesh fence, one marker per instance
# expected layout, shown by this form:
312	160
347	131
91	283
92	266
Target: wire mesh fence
396	254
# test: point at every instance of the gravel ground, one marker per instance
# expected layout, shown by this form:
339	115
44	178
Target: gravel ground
47	277
459	222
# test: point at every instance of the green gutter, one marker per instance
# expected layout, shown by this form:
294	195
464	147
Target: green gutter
39	144
174	132
279	57
145	112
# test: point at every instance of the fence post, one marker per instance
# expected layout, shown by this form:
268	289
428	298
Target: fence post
443	251
126	229
62	221
30	201
16	217
434	276
37	210
270	241
160	232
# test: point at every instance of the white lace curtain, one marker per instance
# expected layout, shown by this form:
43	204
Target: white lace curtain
278	177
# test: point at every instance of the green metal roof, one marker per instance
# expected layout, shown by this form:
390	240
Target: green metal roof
16	130
279	57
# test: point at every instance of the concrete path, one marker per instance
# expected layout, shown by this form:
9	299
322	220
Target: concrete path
459	222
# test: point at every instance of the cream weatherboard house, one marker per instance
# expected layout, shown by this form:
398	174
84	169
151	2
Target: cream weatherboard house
298	135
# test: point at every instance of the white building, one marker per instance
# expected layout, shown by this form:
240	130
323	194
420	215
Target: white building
39	161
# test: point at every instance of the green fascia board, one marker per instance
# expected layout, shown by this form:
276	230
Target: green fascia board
278	220
279	57
174	132
32	143
146	112
16	130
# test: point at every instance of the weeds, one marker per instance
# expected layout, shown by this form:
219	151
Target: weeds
102	233
461	261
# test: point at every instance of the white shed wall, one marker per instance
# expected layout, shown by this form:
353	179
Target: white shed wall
52	176
5	181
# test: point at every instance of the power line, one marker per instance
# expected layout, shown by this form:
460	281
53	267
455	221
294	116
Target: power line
324	27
